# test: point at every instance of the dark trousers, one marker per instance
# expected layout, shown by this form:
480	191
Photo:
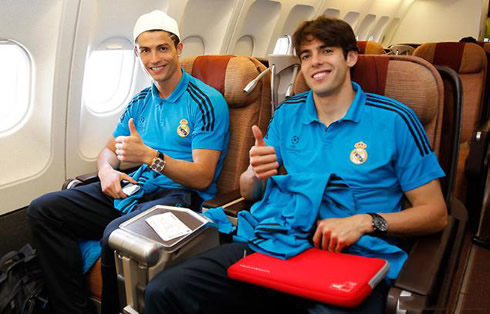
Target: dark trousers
59	219
201	285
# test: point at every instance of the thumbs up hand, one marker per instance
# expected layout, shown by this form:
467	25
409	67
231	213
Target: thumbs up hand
259	138
132	128
263	158
131	148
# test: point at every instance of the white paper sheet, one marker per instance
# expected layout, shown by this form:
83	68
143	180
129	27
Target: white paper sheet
168	226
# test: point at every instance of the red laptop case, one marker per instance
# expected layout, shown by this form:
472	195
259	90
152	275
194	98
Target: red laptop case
334	278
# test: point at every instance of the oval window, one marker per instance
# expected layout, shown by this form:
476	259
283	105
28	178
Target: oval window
15	85
108	76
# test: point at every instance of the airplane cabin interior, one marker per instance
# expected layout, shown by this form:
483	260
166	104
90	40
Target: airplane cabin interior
68	70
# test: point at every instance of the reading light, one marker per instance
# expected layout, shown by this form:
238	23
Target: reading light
253	83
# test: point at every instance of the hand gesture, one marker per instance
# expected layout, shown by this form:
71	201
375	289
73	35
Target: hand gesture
110	182
131	148
263	158
334	234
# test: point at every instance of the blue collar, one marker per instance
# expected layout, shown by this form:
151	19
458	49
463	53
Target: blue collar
353	113
176	93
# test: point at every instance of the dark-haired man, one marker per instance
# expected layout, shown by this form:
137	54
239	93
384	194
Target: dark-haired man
362	150
177	129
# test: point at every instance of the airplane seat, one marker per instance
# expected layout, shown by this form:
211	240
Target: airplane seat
398	78
245	110
486	46
406	50
486	99
451	128
470	62
370	74
428	275
370	47
285	65
426	278
229	75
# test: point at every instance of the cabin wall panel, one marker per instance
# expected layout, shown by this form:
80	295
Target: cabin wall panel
347	8
32	160
206	26
99	20
60	138
257	21
291	15
439	20
370	19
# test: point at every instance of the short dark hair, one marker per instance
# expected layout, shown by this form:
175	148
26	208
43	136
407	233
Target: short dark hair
468	39
333	32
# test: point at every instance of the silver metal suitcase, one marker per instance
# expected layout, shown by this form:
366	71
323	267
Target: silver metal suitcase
141	253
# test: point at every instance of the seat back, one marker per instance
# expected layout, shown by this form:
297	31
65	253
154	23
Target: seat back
451	128
469	61
401	50
370	47
409	80
229	75
418	84
486	97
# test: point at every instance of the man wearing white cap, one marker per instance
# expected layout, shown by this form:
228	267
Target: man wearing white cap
177	129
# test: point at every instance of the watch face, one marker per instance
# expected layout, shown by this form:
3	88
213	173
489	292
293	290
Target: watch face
380	224
157	164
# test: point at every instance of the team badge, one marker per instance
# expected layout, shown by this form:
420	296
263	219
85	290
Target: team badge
359	154
294	140
183	128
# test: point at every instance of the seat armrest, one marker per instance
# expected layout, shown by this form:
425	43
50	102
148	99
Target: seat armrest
478	151
421	268
80	180
482	236
231	202
427	276
476	169
222	199
89	178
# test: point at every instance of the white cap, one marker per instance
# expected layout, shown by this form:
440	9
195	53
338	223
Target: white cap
155	20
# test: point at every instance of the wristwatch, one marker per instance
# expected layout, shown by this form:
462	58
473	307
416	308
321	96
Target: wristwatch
380	226
158	163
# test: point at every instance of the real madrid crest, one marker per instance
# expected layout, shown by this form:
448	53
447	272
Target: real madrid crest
359	154
183	128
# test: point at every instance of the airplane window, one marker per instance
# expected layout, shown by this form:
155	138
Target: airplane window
297	15
15	85
332	13
365	27
244	46
194	46
390	31
352	18
378	29
108	76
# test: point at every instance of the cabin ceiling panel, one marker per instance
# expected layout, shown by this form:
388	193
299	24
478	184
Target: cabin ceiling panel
258	20
205	24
